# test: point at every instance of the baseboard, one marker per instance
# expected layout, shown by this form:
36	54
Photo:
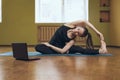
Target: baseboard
109	46
10	45
113	46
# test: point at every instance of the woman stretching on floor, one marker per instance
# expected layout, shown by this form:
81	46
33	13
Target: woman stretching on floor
64	38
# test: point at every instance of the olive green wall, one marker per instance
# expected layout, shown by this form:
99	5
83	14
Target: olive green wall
115	23
18	22
94	16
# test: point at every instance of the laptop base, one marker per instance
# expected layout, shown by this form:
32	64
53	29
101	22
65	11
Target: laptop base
32	59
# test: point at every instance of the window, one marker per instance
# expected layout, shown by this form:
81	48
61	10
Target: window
60	11
0	11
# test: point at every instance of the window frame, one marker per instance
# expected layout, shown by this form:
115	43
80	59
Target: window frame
37	12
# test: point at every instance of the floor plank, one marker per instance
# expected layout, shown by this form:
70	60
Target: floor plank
61	67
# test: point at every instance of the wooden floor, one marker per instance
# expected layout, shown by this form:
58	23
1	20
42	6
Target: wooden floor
61	67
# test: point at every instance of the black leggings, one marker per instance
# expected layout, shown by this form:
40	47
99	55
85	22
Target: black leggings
74	49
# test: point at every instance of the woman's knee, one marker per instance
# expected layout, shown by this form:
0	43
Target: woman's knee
38	47
43	49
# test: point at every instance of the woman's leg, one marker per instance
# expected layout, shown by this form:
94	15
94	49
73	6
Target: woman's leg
78	49
44	49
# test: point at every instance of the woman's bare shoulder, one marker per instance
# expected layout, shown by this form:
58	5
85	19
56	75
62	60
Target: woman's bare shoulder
76	23
69	25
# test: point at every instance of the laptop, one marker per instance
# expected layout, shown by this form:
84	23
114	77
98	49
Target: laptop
20	52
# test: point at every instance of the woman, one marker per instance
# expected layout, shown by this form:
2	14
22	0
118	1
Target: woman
64	38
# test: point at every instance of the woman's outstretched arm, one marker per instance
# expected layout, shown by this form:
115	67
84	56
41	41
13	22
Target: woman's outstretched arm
95	30
84	24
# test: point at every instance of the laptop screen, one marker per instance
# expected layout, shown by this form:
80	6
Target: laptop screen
20	50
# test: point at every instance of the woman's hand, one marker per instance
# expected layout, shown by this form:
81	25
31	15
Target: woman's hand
103	48
47	44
